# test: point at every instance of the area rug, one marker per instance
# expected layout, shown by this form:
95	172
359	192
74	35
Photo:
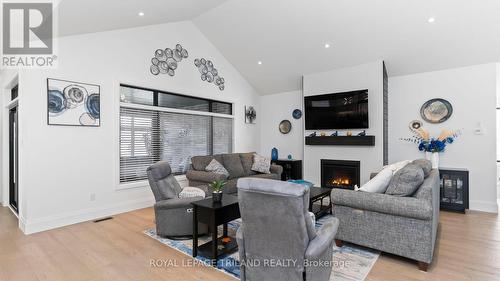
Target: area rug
351	262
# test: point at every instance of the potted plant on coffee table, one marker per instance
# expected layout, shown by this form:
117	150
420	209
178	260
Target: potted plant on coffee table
217	188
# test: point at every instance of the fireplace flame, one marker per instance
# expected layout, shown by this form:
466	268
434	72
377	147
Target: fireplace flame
340	181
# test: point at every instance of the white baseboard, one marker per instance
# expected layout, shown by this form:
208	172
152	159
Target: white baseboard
51	222
483	206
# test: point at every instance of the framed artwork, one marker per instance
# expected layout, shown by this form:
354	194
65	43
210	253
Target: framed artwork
73	103
436	110
250	115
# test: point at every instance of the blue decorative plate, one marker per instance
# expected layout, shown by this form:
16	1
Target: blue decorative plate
297	113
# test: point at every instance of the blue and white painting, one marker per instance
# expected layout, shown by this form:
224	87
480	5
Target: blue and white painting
73	103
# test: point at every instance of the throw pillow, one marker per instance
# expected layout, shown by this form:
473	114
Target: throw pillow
379	183
261	164
397	166
232	163
425	164
406	181
190	192
216	167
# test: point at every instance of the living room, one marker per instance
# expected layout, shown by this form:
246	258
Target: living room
128	85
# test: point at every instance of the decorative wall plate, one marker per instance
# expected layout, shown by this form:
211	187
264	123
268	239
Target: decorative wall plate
285	126
415	125
436	110
297	113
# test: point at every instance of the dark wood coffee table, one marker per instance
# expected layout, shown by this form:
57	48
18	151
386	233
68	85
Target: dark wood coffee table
318	194
215	214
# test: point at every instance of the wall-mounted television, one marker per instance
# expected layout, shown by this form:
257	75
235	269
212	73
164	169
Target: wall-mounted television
346	110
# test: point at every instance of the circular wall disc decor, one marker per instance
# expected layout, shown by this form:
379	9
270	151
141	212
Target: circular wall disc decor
297	113
436	110
415	125
285	126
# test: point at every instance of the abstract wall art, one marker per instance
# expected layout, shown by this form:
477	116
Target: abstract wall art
165	61
209	73
250	115
73	103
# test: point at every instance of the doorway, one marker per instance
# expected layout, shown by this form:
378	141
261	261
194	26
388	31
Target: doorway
13	154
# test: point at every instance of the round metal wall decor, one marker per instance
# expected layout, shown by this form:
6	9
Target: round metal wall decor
297	113
436	110
285	126
415	125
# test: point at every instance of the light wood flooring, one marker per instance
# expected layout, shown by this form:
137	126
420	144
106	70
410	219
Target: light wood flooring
468	249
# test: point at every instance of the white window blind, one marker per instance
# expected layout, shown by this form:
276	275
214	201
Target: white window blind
148	136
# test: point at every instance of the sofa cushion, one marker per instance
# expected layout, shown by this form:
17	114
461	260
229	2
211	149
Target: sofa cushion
247	162
425	164
216	167
265	176
232	163
261	164
201	162
190	192
406	181
379	183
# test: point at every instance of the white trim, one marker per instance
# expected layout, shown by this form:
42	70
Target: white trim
13	103
60	220
173	110
483	206
14	212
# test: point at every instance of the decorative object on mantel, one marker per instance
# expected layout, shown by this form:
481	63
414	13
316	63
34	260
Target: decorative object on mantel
436	110
349	133
297	113
209	73
217	188
432	146
274	154
73	103
322	134
313	134
165	61
285	127
334	134
362	134
250	115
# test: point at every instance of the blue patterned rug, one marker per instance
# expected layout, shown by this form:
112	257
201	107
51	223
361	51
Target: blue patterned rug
351	262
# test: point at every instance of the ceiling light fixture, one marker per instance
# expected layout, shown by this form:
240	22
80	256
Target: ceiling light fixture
259	62
327	46
141	14
431	20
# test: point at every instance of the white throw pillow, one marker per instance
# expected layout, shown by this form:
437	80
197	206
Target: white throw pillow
190	192
216	167
379	183
261	164
397	166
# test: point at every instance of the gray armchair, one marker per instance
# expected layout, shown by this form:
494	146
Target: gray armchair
173	215
276	227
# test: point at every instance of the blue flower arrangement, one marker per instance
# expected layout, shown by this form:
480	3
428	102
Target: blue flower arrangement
428	144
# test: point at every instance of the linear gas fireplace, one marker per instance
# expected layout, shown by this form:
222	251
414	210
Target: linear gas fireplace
339	173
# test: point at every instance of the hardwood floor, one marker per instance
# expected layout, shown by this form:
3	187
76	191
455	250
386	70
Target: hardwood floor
468	249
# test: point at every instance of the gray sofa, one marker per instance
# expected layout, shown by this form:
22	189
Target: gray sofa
173	215
404	226
276	227
239	165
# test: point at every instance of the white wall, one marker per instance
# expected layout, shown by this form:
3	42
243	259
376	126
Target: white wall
367	76
63	166
274	109
472	92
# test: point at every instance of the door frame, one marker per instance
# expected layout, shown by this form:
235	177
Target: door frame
14	158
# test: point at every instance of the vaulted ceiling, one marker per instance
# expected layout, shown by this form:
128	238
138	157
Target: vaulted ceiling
288	37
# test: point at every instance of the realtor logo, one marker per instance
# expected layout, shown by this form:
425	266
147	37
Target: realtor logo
28	35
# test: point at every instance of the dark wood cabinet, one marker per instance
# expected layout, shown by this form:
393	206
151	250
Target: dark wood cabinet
454	189
292	169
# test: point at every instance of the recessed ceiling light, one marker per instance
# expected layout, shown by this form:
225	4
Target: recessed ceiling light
141	14
259	62
327	45
431	20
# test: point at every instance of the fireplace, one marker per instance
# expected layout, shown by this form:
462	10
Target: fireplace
339	173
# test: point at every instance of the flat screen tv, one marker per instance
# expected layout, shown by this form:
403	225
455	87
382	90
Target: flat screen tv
347	110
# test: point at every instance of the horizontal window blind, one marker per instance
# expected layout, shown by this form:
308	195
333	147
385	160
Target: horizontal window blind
148	136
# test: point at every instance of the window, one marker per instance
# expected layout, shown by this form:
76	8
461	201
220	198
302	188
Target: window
158	126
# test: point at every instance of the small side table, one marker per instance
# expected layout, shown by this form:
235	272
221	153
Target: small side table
292	169
215	214
318	194
454	189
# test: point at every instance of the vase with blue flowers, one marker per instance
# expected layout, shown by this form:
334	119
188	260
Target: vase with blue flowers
433	146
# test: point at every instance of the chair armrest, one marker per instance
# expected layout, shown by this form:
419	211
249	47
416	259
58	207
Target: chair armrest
323	240
276	169
176	203
203	176
410	207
